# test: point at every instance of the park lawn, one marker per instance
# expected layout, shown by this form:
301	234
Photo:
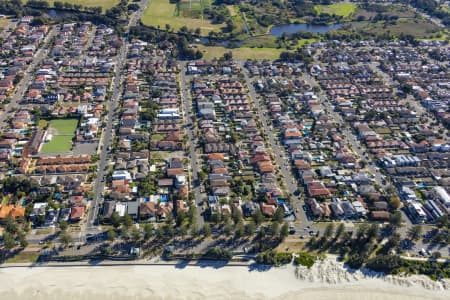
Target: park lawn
24	257
210	52
264	41
105	4
64	126
339	9
303	42
162	12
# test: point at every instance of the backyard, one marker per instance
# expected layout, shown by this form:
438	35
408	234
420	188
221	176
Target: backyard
162	12
62	132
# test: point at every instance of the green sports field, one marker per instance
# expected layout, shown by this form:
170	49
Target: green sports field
63	132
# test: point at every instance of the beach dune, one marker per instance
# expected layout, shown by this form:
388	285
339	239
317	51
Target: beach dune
192	282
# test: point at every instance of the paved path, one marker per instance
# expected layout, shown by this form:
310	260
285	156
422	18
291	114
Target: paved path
439	260
138	262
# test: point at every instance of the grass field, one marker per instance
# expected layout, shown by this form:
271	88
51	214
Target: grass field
64	126
303	42
210	52
3	23
418	28
339	9
105	4
24	257
232	10
162	12
440	36
391	10
63	132
263	41
192	8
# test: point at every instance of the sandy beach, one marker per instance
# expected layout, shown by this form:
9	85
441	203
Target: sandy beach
323	281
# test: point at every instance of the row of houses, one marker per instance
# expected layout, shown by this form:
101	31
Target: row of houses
397	130
334	181
17	51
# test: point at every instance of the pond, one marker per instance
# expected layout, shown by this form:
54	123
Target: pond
278	30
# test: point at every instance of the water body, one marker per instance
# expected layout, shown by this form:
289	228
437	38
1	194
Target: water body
278	30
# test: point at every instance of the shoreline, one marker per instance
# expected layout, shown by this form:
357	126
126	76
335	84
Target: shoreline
326	279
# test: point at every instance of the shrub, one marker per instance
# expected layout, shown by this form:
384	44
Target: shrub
305	259
218	253
274	258
355	261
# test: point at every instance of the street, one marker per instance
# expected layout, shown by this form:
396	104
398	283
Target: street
192	141
106	140
279	152
22	87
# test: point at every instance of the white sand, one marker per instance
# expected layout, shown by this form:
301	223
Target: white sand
194	282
